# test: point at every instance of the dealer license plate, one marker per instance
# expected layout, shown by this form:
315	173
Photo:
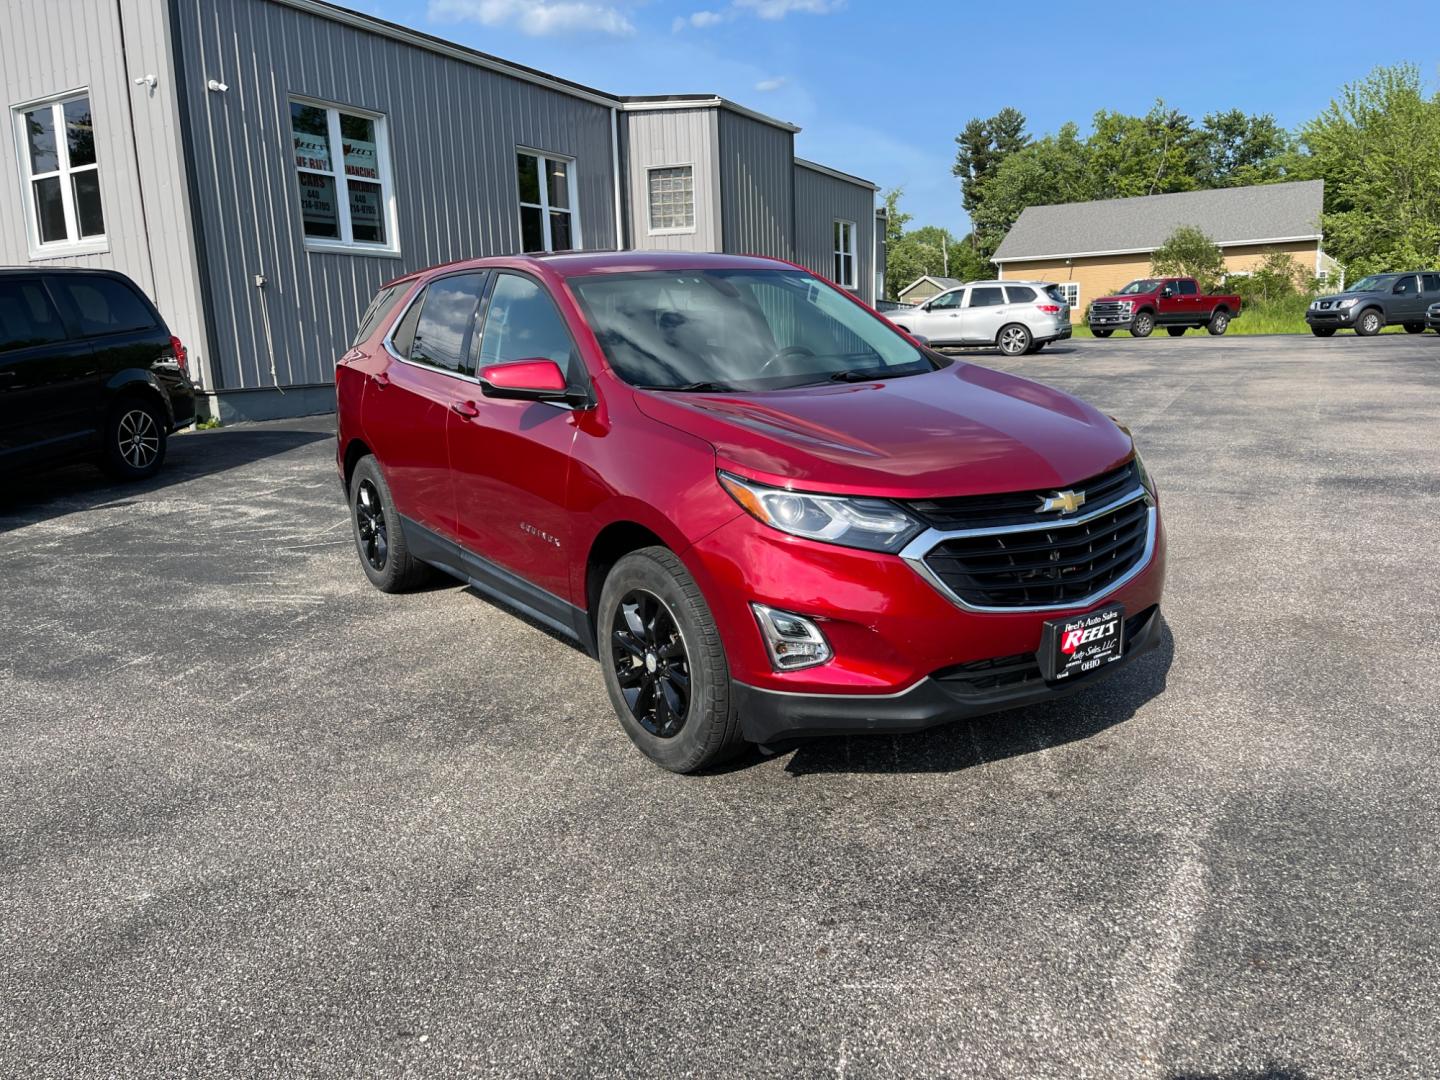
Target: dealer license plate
1071	647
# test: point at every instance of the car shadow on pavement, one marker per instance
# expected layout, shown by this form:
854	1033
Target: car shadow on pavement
987	739
39	495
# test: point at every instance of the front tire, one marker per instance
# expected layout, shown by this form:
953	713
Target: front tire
135	439
379	538
1013	340
1369	324
1143	325
1219	323
1414	328
664	664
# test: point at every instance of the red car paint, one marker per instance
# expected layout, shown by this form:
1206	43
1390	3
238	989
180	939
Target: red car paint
533	488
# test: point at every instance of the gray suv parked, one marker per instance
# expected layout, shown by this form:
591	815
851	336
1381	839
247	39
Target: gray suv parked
1372	302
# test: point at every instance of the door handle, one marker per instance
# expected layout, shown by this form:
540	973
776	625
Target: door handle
466	409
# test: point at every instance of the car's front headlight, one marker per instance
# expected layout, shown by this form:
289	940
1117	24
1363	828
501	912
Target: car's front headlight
872	524
1127	306
1345	304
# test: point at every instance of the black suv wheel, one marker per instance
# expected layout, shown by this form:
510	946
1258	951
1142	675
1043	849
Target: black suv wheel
1370	323
136	436
379	539
1219	323
664	664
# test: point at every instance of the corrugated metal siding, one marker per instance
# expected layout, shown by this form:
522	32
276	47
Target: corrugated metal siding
757	187
48	48
674	137
454	128
820	201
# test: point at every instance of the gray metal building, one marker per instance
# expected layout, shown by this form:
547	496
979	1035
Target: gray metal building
260	167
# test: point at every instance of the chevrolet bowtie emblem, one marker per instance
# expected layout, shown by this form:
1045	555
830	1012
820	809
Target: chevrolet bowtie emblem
1067	502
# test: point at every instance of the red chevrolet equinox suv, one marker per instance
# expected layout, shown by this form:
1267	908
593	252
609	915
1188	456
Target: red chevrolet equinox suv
765	510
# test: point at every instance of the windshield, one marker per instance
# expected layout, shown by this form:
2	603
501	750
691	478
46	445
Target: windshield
717	330
1144	285
1373	283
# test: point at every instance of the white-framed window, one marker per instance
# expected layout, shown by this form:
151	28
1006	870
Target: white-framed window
844	275
672	199
1071	290
342	163
60	175
548	218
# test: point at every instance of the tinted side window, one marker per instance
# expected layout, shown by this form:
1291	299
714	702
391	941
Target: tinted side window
379	310
987	297
104	305
1432	283
27	318
1186	288
1019	294
522	323
447	321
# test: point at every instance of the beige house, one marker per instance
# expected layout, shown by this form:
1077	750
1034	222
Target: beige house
1093	248
922	289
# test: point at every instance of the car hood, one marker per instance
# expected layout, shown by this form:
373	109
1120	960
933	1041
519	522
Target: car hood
962	430
1332	297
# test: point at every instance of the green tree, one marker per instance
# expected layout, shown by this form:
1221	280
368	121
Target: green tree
913	253
1054	170
1377	147
1277	277
1235	150
981	147
1189	253
1143	155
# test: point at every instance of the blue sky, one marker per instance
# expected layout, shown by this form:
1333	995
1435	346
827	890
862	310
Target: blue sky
881	89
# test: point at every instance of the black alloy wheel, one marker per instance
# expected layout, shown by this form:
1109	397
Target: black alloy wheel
138	438
370	523
651	664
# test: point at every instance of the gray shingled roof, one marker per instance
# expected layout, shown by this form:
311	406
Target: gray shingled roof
943	283
1227	215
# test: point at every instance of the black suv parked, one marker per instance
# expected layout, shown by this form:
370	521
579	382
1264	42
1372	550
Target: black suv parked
1372	302
88	369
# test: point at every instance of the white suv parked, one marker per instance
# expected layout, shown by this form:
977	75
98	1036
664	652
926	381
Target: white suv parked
1016	316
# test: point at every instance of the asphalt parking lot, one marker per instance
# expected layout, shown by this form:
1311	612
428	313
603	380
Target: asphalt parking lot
256	817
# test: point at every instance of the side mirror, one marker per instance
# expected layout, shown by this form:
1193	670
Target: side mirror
527	380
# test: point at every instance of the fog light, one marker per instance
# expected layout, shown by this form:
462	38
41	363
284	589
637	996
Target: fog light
793	641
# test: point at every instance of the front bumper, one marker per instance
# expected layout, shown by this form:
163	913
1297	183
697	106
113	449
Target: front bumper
769	716
1333	317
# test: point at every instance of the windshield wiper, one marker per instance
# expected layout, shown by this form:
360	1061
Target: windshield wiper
865	374
695	388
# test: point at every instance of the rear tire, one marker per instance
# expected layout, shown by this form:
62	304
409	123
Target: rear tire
1013	340
1103	333
1414	328
1323	331
379	537
1143	325
1219	323
658	643
1370	323
135	439
1176	331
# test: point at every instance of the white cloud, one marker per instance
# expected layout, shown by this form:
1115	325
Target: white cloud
764	9
538	18
778	9
767	85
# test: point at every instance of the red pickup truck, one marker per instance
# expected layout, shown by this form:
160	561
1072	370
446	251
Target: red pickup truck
1175	303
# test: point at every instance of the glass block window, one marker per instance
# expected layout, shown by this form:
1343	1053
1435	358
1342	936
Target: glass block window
672	199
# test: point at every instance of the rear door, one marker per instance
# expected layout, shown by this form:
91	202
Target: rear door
46	377
511	459
407	403
1406	301
124	332
985	313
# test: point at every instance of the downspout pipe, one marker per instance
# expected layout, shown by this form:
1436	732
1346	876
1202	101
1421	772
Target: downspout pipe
621	243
